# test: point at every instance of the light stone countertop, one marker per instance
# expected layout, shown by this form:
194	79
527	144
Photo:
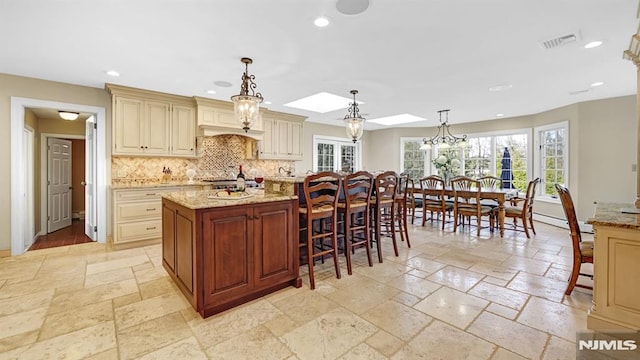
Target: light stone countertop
286	179
609	214
152	184
200	199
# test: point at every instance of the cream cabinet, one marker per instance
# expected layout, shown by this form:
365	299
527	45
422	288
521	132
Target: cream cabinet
283	136
138	213
146	123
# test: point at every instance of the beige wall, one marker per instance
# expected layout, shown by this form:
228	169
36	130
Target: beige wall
42	90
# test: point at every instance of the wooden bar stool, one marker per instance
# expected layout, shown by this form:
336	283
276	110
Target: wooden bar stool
318	219
384	208
400	220
355	213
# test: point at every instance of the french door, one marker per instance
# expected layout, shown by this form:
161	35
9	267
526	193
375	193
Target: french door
335	154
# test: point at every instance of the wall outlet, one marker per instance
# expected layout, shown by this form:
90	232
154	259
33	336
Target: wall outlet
276	187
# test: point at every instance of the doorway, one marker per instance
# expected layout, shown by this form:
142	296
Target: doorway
100	161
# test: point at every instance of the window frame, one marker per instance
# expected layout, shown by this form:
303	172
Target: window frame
336	141
539	158
427	156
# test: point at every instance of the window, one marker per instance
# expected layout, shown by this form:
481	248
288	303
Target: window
335	154
552	142
413	161
484	156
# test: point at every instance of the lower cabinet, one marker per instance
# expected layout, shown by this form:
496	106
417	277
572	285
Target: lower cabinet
223	257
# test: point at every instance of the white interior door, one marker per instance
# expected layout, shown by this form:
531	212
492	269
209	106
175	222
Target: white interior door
58	184
90	191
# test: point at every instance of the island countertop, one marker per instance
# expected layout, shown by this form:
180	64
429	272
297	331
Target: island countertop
609	214
203	199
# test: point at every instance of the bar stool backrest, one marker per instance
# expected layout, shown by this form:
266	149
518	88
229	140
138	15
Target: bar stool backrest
357	188
321	193
385	187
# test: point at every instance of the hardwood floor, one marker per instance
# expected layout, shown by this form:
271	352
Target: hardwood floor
70	235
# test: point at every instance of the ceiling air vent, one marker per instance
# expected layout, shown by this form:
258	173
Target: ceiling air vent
559	41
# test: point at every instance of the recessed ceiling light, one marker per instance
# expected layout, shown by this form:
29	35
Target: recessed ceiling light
502	87
113	73
593	44
396	119
211	91
321	103
321	21
267	102
597	83
222	83
499	114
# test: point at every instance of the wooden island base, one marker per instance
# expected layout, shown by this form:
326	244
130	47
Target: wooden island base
224	253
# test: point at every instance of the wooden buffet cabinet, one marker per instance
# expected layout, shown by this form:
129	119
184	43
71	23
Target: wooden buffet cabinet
222	253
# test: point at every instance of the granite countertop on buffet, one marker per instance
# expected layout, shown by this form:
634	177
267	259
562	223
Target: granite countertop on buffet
149	183
610	214
204	199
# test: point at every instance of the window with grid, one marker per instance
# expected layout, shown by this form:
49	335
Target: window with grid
335	154
552	146
413	161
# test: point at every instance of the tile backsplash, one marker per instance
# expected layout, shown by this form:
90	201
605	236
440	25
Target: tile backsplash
219	157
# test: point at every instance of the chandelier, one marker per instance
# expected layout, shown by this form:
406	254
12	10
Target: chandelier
444	138
247	106
353	122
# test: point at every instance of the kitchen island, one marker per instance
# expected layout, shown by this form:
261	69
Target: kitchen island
224	251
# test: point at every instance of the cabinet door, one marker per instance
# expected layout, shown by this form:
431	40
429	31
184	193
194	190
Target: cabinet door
169	238
128	126
274	245
295	140
183	125
156	129
284	143
184	249
269	139
227	239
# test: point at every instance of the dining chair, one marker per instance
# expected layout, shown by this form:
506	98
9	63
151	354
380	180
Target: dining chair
582	250
493	183
318	219
466	196
434	199
522	208
414	201
384	208
355	214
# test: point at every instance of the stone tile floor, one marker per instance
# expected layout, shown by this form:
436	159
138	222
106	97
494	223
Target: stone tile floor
451	296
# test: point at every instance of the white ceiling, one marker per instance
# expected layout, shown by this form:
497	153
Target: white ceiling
404	56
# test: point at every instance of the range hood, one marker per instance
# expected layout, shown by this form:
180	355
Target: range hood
216	117
209	130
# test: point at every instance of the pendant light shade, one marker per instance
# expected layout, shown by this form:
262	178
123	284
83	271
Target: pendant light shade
354	123
247	105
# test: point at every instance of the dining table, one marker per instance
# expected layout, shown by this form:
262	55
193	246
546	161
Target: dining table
498	195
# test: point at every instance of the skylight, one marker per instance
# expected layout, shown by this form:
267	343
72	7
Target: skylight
321	103
396	119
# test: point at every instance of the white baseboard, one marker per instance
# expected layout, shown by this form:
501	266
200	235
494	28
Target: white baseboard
78	215
562	223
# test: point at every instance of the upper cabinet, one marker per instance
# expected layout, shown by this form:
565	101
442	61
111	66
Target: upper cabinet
283	136
148	123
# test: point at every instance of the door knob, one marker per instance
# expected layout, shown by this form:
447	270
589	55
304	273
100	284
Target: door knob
83	183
